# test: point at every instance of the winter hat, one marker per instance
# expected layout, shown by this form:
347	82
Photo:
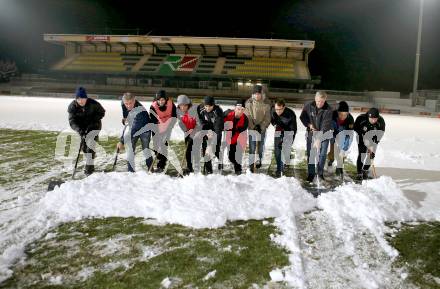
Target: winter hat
240	103
373	113
81	92
343	107
257	89
183	99
208	100
161	94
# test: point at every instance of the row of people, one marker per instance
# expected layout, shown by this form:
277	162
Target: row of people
337	127
209	131
8	68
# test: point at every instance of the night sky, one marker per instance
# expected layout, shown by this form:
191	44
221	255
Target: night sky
360	44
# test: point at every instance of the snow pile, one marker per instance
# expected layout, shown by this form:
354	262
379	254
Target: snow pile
354	207
344	243
196	201
209	202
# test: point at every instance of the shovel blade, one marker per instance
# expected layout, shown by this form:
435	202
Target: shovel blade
53	184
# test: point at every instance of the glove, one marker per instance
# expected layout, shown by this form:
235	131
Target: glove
372	155
257	128
123	121
82	133
342	154
280	144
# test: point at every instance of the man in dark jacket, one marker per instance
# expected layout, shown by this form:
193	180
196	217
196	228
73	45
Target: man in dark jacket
370	128
211	119
236	123
284	121
163	114
136	117
316	116
342	122
85	116
190	124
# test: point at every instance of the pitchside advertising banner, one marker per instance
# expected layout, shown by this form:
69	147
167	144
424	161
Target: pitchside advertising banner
103	38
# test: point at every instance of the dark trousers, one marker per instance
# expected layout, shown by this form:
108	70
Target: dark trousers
235	156
363	161
89	151
188	152
161	158
208	164
161	148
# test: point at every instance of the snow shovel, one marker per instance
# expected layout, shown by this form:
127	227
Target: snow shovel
318	182
374	169
257	150
57	183
367	154
117	150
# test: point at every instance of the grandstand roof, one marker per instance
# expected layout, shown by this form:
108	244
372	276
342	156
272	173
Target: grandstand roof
208	44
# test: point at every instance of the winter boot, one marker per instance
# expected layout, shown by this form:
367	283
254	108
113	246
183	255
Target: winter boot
159	170
208	168
339	172
330	163
365	175
89	169
258	164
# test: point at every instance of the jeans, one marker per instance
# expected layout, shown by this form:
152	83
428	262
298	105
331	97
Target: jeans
253	147
283	143
311	157
145	142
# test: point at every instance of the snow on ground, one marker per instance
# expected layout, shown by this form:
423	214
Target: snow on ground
328	247
209	201
430	206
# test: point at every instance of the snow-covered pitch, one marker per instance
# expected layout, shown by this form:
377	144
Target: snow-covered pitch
209	201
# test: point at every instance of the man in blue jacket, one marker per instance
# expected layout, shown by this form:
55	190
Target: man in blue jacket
137	118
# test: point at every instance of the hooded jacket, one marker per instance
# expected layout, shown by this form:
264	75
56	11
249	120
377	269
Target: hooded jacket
258	112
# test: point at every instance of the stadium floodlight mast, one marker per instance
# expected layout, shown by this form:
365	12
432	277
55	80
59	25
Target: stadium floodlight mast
416	67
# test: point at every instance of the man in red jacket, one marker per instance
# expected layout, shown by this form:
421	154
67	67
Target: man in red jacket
236	124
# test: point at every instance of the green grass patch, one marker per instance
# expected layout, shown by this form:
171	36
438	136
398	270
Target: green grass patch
133	253
419	252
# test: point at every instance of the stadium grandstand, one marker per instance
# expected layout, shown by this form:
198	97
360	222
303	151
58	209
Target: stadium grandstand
222	67
226	62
